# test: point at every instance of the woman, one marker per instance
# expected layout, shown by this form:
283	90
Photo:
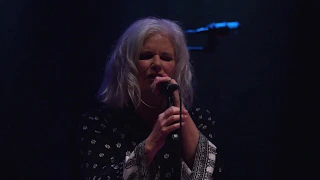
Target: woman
126	139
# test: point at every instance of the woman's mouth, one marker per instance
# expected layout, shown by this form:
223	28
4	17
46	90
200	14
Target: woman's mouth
153	76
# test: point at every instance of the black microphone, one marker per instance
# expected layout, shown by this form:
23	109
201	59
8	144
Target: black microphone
173	139
167	88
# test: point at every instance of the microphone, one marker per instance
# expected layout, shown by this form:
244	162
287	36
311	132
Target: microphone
173	139
167	88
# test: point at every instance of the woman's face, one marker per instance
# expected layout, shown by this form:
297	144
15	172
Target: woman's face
156	59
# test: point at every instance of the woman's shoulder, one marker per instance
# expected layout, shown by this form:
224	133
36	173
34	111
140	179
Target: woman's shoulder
104	115
94	119
200	112
96	114
98	122
204	119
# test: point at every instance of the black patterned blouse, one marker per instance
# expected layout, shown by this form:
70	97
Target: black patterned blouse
112	147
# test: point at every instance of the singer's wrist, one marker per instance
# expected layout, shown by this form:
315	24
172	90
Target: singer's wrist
150	152
190	135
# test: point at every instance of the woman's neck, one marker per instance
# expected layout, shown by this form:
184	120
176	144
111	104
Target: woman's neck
149	112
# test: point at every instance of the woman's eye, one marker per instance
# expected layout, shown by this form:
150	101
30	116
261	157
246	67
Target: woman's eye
145	56
166	58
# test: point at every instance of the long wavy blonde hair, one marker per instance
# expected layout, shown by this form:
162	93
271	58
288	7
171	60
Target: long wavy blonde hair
120	84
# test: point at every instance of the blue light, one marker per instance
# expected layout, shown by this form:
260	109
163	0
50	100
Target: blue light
197	30
233	25
220	25
195	47
191	31
202	29
213	25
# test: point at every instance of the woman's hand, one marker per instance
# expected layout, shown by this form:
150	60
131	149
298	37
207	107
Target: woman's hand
155	87
167	122
190	132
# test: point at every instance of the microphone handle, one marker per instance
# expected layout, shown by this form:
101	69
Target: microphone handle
174	142
167	89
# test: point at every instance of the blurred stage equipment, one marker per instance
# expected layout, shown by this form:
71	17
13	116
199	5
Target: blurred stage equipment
213	31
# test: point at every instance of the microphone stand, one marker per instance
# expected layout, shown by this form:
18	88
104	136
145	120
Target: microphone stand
174	142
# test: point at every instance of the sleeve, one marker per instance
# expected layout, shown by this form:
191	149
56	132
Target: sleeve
207	164
135	167
100	157
204	162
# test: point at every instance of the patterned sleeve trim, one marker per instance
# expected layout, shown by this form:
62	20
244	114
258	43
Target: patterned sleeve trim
204	161
135	166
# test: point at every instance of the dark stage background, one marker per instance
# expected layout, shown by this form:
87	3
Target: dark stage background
53	54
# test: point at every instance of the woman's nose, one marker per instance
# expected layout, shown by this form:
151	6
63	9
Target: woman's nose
156	65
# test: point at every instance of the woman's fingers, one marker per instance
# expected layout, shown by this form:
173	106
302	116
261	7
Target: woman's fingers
174	119
173	110
172	127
